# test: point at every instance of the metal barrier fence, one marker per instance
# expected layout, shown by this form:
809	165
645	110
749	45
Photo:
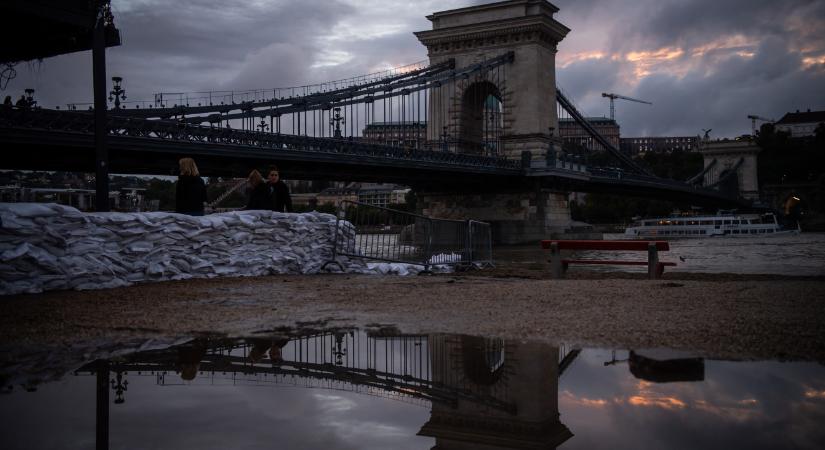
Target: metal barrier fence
382	234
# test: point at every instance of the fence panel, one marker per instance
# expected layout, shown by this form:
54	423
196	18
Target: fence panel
480	243
382	234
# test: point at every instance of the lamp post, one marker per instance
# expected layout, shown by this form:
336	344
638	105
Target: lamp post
337	120
117	93
262	127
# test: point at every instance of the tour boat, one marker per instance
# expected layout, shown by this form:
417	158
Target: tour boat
724	223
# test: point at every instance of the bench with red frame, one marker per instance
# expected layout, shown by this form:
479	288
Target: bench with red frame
655	268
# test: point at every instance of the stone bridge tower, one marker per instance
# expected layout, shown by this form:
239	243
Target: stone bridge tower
526	92
722	157
526	88
523	376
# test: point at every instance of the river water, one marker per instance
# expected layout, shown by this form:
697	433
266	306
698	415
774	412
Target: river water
802	254
357	390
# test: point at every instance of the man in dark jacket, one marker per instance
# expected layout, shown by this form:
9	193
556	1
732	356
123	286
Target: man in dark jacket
279	198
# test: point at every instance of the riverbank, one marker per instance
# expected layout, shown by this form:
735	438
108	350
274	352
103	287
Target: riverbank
718	316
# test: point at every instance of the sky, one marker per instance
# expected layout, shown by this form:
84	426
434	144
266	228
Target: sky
702	63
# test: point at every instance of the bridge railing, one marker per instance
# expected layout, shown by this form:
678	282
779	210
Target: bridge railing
379	234
171	130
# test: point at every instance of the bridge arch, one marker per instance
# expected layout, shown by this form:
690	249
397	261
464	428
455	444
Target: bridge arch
482	118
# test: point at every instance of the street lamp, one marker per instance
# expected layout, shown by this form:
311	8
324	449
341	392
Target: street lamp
263	125
117	93
337	120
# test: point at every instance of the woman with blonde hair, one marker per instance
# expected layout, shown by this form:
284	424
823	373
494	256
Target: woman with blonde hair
258	193
190	190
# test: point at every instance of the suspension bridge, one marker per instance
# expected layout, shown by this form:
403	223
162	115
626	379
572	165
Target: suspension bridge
482	390
480	117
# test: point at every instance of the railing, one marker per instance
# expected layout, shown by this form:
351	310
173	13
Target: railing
376	233
170	130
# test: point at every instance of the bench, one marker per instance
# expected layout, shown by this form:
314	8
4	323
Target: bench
655	268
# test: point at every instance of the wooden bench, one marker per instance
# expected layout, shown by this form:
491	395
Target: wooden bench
655	269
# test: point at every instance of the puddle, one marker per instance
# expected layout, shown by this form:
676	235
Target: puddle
381	390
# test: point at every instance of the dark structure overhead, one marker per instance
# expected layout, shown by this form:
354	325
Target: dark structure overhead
37	29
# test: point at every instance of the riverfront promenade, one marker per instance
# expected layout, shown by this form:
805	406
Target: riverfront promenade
718	316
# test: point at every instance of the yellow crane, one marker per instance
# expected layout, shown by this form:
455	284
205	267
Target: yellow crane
612	97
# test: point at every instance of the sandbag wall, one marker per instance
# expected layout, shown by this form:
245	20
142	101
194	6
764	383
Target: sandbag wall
49	246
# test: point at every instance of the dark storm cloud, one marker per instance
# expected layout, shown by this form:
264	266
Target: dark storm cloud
693	23
703	63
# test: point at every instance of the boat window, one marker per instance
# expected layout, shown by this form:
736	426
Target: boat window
753	231
727	231
707	222
727	222
717	222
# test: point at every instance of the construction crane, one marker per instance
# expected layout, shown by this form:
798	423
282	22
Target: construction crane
622	97
754	118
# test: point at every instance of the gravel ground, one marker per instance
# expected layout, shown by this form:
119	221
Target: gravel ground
717	316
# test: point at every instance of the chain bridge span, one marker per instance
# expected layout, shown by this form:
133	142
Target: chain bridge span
480	117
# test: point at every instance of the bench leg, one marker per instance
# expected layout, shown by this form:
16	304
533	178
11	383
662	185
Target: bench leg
653	261
556	270
660	269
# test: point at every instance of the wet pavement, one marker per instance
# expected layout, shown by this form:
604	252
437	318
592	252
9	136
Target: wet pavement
379	389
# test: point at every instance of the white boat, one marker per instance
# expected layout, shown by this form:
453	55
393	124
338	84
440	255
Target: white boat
724	223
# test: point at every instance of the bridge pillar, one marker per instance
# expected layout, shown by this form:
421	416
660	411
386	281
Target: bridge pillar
526	88
515	218
732	155
512	389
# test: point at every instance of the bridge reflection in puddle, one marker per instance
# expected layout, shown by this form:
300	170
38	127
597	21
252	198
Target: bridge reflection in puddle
450	392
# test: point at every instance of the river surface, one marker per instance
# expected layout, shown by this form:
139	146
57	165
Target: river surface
357	390
802	254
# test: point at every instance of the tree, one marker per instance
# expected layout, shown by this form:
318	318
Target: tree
161	190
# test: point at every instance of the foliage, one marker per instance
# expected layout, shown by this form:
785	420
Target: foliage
678	165
162	190
610	208
787	160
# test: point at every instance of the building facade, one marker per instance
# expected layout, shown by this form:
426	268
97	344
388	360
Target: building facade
572	133
397	134
801	124
658	144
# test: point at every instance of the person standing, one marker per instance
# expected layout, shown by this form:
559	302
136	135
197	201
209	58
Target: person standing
279	198
190	190
258	192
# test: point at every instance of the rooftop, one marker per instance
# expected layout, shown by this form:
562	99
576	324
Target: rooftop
803	117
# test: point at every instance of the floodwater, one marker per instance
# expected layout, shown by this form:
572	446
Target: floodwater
801	254
351	389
